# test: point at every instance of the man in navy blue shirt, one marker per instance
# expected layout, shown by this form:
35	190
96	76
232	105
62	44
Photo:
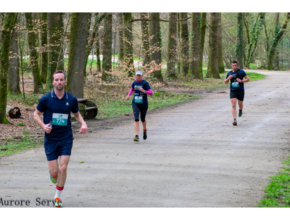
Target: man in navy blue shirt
56	107
237	91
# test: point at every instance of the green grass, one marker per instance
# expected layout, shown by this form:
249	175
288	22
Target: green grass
12	146
30	99
277	193
116	105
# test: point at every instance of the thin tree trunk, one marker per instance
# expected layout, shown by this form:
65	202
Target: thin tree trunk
172	43
33	53
107	47
77	52
276	31
44	54
88	44
145	40
184	44
194	45
121	38
128	44
98	51
276	40
54	43
221	65
213	47
239	44
8	25
13	70
155	44
202	39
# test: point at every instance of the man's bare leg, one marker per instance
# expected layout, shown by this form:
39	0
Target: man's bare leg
53	167
240	103
234	110
63	163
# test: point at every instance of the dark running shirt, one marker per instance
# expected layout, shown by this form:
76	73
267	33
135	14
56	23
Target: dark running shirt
138	94
49	104
239	74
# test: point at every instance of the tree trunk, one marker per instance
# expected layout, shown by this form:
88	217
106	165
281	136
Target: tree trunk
88	44
213	47
44	54
194	46
8	25
13	70
128	44
276	40
221	65
184	38
121	36
107	47
77	52
54	43
239	44
33	53
201	44
98	51
172	43
145	40
155	44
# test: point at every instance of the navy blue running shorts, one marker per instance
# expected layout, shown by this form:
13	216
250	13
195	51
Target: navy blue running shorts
54	149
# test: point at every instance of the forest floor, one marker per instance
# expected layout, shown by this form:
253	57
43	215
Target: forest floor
193	157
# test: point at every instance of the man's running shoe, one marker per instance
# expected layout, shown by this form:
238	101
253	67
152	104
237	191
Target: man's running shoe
235	122
53	180
145	135
240	113
136	138
57	202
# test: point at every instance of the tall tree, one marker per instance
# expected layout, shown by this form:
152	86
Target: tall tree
54	26
13	70
221	65
128	44
276	40
121	36
194	46
155	44
98	51
77	52
145	40
240	43
107	47
88	44
184	40
44	54
254	36
172	43
32	39
276	31
8	25
213	47
202	39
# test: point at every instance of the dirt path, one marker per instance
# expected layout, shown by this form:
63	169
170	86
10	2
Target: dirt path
193	157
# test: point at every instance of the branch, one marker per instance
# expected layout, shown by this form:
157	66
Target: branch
140	19
184	19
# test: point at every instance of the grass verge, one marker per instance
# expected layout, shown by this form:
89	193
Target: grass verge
12	146
278	191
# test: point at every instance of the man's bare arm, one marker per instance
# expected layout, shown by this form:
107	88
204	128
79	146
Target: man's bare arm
37	118
80	120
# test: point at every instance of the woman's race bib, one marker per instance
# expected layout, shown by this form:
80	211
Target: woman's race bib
138	99
235	84
59	119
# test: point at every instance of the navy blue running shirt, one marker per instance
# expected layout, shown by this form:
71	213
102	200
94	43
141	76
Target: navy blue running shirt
49	104
239	74
145	85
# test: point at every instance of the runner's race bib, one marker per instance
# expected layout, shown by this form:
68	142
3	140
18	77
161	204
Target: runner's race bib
138	99
235	84
59	119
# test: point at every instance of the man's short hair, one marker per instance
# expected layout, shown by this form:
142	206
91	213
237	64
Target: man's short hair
59	71
235	62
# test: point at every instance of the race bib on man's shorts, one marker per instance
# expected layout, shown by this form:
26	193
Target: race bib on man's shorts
59	119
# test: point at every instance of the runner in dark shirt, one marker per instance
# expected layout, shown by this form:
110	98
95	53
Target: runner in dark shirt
237	91
141	89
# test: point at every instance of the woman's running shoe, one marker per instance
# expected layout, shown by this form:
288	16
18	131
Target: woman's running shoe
136	138
235	122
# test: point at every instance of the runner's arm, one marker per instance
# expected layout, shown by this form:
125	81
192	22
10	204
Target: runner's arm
37	118
80	120
149	92
247	79
228	79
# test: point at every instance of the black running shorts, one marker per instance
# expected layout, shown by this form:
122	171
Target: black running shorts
238	94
